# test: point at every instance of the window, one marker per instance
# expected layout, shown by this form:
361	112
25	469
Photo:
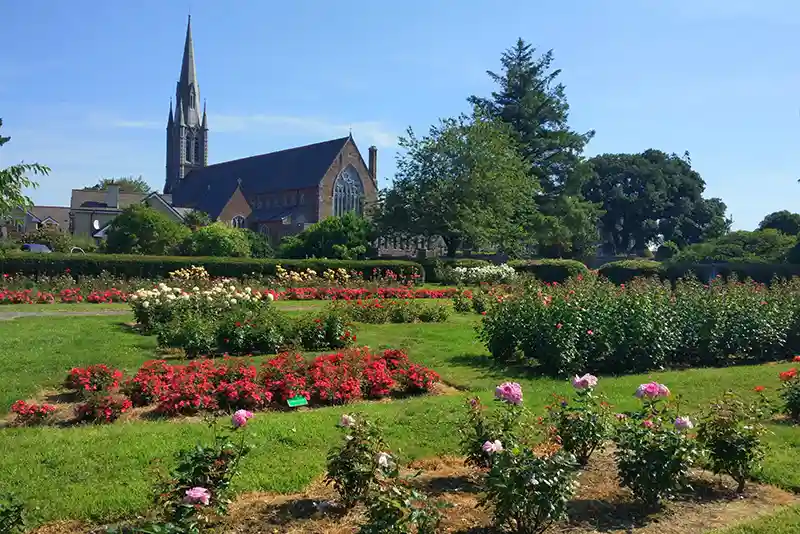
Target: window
302	198
188	155
191	97
238	221
348	192
196	152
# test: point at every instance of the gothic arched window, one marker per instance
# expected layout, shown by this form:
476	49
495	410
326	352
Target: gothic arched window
196	152
348	193
191	97
188	155
238	221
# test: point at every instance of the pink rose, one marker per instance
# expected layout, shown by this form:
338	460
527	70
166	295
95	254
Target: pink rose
510	392
197	496
492	446
584	382
240	418
652	390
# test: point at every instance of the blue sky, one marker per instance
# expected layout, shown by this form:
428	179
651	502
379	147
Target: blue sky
85	85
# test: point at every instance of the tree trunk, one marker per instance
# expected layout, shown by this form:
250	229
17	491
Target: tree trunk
452	246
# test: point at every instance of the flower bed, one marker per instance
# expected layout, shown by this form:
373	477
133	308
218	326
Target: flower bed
592	324
232	384
379	311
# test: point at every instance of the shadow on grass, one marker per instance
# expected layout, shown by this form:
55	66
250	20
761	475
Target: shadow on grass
490	368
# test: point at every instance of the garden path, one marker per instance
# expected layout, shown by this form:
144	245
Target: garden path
9	315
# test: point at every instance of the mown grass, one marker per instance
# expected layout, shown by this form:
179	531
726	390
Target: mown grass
102	473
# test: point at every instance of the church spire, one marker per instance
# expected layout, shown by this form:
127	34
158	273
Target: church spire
187	130
188	74
205	117
169	119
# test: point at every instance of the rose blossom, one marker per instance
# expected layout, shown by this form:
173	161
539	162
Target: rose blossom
647	423
492	446
240	418
652	390
347	421
384	459
197	496
509	392
683	423
586	381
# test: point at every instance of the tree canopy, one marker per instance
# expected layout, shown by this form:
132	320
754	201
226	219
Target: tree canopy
466	182
783	221
140	229
742	246
534	104
14	180
128	184
346	237
651	196
216	239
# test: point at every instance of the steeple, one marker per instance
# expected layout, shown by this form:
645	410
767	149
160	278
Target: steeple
169	119
187	132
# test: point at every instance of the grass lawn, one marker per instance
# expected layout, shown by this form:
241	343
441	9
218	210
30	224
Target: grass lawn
104	472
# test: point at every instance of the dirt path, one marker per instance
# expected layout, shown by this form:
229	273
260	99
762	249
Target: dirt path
10	315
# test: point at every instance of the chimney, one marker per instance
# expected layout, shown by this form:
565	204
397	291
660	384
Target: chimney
373	162
112	196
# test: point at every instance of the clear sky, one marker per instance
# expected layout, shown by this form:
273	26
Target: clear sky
85	85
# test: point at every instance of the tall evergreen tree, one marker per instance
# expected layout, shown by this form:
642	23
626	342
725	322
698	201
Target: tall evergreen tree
534	103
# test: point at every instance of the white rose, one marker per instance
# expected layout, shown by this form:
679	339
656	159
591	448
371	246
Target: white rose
145	305
270	297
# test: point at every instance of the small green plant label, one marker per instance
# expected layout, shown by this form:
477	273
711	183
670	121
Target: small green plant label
299	400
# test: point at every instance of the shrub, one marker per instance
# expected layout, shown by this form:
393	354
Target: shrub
591	325
462	302
379	311
346	237
495	274
12	518
196	334
330	331
667	250
529	491
621	272
482	436
157	267
217	239
353	467
395	507
259	244
262	331
790	393
549	270
31	414
769	246
730	432
653	452
436	269
583	424
101	408
140	229
88	380
198	487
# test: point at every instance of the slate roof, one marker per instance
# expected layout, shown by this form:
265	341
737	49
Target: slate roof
208	189
59	214
276	213
93	198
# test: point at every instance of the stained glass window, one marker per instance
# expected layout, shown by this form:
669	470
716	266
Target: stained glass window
348	193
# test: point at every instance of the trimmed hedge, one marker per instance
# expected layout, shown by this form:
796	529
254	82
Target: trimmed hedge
624	271
757	271
550	270
433	266
154	267
621	272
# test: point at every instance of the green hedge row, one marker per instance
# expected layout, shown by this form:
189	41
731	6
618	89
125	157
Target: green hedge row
624	271
154	267
621	272
550	270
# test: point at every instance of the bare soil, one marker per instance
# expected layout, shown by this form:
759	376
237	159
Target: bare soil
600	506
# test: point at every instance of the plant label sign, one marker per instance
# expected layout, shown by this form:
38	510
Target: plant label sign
299	400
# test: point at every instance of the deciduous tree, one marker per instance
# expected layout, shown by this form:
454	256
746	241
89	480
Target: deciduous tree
782	221
14	180
128	184
466	182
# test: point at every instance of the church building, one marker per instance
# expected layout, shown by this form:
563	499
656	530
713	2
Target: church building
278	193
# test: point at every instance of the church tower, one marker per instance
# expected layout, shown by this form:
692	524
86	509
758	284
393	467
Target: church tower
187	131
